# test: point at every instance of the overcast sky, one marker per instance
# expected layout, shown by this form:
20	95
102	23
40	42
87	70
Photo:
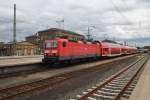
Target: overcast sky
122	20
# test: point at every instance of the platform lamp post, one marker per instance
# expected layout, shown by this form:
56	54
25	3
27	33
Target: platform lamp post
89	29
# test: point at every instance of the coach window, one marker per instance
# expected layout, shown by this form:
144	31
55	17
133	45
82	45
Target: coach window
64	44
105	49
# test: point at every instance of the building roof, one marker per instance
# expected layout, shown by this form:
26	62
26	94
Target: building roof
32	36
24	43
109	41
62	30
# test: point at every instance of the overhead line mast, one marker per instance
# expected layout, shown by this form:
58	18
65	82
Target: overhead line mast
14	25
14	31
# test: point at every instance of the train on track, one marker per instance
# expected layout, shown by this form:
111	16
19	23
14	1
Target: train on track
59	49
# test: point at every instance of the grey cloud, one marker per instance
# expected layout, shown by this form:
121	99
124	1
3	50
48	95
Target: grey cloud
32	17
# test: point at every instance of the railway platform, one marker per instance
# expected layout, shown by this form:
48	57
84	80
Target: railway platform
142	89
20	60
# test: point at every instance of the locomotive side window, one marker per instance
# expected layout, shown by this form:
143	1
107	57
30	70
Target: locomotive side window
64	44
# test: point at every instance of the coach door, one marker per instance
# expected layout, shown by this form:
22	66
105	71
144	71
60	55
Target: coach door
105	51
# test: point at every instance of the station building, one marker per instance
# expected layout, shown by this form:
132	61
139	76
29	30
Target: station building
18	49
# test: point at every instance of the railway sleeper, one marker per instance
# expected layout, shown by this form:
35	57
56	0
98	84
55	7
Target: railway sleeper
123	78
129	89
91	98
115	85
132	86
85	93
134	82
126	96
118	81
107	93
102	97
110	90
127	93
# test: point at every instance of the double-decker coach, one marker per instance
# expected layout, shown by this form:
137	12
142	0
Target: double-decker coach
110	49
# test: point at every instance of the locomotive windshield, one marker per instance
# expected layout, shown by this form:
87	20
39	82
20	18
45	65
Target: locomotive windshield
51	44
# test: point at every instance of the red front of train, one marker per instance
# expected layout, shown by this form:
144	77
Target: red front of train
62	49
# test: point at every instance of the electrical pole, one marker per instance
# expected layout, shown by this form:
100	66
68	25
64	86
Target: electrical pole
63	23
89	28
88	33
14	30
14	25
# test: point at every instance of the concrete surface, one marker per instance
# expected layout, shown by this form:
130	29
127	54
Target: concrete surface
142	89
14	60
18	57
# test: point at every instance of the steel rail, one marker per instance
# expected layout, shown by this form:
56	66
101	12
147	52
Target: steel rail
130	81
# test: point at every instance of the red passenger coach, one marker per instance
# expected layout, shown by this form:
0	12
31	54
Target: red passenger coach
110	49
63	49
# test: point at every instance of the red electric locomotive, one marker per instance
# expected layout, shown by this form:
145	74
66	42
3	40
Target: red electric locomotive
63	49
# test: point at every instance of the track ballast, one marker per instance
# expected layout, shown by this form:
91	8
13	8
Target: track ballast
118	86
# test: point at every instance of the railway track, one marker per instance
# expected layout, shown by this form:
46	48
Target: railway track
118	86
28	88
7	72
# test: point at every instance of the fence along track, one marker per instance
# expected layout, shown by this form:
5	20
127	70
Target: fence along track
118	86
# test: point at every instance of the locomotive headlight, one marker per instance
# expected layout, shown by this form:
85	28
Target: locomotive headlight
46	51
54	51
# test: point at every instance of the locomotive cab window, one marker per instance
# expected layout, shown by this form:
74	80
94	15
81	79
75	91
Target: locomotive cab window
64	44
51	44
48	45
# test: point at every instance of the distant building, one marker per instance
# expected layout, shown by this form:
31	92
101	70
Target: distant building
3	49
1	43
54	33
20	49
25	48
32	39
